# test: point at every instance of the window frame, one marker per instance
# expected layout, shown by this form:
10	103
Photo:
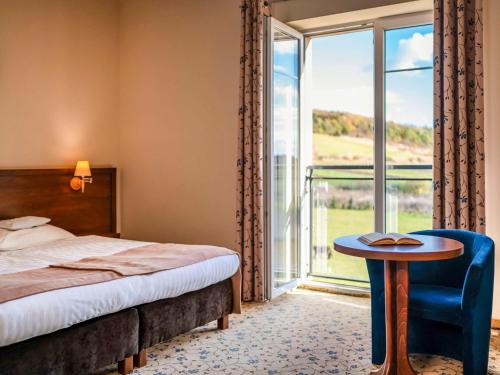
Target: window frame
272	24
380	26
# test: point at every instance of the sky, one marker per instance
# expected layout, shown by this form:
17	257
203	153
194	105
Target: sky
342	74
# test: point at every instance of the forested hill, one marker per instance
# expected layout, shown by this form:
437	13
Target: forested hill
336	123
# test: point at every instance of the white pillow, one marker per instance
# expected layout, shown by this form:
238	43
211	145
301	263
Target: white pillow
23	222
23	238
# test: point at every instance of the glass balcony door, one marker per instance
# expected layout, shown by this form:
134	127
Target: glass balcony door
409	150
283	103
360	159
404	119
371	139
340	179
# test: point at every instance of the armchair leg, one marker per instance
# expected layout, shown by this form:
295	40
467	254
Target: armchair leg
223	323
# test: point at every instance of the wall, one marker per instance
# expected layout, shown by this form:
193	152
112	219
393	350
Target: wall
491	51
178	114
61	100
58	82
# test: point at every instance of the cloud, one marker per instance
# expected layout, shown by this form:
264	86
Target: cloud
416	49
392	98
355	99
410	108
285	47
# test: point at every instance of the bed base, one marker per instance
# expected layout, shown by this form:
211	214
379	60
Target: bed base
164	319
140	359
120	338
78	350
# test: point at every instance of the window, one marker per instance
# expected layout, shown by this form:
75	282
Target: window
284	50
285	149
341	175
348	140
408	106
371	98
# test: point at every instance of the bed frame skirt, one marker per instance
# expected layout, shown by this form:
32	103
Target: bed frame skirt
80	349
164	319
91	345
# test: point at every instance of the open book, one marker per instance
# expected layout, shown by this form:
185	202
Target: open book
377	239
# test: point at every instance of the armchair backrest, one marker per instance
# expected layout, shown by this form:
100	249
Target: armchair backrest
451	272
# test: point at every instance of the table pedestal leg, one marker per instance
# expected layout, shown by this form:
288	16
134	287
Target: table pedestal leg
396	320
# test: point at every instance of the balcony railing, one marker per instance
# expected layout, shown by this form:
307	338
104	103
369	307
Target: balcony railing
342	202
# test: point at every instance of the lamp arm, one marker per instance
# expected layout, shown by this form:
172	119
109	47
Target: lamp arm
84	180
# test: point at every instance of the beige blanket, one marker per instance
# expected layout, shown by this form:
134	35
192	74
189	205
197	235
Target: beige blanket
136	261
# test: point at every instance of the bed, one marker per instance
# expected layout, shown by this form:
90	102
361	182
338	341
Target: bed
81	329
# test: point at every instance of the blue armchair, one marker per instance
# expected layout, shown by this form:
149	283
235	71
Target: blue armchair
450	303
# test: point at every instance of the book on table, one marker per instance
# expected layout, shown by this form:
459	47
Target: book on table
381	239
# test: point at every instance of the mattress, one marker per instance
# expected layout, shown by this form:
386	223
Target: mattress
47	312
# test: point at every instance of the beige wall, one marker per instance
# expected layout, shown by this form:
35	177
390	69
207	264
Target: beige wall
176	107
178	114
492	131
58	82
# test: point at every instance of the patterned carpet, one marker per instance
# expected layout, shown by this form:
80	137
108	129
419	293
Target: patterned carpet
303	332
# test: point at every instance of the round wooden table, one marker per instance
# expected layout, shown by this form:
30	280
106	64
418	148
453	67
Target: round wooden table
396	260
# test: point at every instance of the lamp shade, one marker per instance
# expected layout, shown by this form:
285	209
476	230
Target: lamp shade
82	169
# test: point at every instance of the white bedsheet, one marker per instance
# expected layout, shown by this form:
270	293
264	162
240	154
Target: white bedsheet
47	312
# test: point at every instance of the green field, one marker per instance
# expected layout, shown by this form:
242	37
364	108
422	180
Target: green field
352	150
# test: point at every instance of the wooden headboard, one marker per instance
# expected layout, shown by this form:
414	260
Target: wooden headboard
46	192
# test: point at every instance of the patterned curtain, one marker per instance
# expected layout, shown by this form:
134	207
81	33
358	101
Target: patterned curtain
250	163
458	115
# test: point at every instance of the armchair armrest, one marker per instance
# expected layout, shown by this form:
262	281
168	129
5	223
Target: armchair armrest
479	276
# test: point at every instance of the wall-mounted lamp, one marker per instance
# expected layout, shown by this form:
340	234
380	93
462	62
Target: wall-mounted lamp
82	175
